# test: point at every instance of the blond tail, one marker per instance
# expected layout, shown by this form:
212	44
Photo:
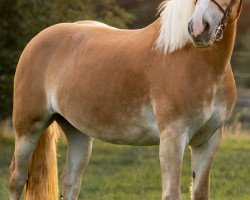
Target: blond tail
42	181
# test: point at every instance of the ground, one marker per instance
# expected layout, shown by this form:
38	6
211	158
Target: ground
133	173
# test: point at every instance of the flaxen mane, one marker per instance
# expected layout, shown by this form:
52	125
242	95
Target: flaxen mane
175	16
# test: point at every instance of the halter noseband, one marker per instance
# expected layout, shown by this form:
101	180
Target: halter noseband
220	30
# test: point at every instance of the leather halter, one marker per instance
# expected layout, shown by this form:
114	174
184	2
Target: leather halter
222	25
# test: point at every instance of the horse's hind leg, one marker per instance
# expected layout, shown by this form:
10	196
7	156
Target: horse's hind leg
25	144
202	159
78	154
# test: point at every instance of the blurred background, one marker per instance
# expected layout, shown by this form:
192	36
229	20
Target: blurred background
117	172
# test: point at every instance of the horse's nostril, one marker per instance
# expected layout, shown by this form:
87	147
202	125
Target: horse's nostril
190	28
206	26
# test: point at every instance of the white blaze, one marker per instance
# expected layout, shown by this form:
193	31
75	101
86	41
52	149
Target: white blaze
201	7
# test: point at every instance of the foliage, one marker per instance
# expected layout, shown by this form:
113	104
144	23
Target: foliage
245	61
242	61
145	11
124	172
23	19
10	50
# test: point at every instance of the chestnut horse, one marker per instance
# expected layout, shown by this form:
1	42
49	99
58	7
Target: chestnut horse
136	87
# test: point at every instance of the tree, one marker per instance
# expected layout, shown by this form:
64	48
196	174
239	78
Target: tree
242	61
145	11
10	50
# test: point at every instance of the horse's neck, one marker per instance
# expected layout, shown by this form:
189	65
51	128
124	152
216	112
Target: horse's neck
217	56
220	53
227	44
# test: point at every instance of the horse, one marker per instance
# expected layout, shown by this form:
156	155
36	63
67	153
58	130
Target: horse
168	84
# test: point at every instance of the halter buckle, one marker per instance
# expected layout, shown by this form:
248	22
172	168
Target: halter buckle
219	33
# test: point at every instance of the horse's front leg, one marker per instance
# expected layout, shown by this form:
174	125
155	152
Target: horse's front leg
202	159
172	147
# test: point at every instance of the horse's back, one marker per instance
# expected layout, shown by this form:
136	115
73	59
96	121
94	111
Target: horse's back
52	48
95	24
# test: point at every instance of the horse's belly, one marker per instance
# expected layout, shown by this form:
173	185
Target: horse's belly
136	133
139	130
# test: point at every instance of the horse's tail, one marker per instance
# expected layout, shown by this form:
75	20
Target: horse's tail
42	181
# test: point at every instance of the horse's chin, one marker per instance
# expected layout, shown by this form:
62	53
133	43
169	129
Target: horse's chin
201	45
202	42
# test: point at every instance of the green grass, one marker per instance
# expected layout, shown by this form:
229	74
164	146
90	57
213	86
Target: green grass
133	173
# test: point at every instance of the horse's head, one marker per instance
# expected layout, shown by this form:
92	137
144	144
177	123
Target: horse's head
210	18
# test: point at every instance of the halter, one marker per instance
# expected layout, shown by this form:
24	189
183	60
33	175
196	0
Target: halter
222	25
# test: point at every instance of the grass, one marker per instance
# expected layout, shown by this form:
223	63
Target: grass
133	173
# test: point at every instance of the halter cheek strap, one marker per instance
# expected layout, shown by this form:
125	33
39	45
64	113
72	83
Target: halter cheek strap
228	11
219	6
220	30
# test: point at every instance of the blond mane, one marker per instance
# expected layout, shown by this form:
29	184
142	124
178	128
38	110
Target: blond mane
175	16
